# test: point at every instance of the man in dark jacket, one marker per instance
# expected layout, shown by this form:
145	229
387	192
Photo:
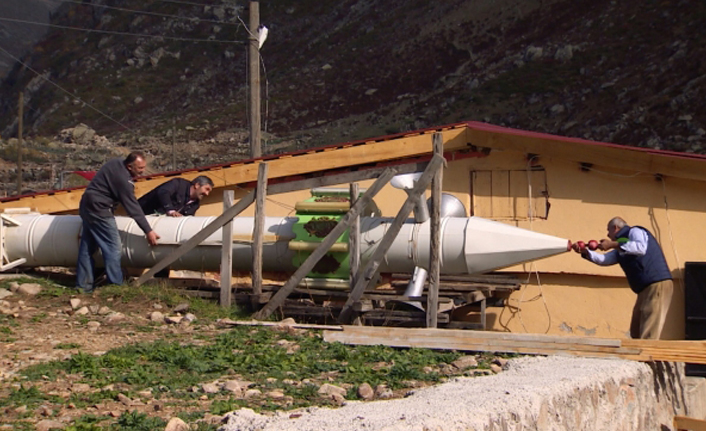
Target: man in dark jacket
111	186
177	197
641	258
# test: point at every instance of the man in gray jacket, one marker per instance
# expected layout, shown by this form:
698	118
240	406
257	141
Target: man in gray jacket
111	186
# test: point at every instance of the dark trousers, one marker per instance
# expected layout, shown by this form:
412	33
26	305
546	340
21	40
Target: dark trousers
98	233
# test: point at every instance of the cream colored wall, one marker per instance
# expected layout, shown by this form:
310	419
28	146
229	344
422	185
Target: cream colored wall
576	297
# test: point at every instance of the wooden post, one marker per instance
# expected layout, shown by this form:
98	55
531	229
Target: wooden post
325	245
195	240
434	234
354	238
254	81
366	276
257	235
19	143
227	253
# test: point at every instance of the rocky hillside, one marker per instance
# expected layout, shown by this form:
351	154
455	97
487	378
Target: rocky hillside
630	72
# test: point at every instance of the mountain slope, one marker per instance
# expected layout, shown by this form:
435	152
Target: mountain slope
630	72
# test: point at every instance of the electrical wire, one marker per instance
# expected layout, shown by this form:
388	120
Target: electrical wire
163	15
120	33
67	91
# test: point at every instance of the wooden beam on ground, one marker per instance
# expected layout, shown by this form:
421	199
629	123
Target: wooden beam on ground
434	234
228	322
227	253
366	275
258	230
451	339
198	238
326	243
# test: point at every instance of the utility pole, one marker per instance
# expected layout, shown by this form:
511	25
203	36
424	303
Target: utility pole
174	167
254	81
19	144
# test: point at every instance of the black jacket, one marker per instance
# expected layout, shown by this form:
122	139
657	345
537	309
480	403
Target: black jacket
172	195
111	186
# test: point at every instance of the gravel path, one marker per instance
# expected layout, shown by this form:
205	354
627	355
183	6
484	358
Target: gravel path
464	403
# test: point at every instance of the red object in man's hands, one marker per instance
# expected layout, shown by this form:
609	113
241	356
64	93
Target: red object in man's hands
581	245
592	244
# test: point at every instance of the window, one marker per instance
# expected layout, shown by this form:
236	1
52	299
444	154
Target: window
510	195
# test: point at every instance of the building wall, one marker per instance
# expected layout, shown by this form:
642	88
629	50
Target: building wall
564	294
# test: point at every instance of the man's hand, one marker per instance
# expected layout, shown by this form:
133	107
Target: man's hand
152	237
172	213
607	244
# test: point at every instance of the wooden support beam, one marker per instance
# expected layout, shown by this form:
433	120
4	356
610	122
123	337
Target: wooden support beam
326	243
198	238
258	230
366	275
354	238
434	236
227	253
683	423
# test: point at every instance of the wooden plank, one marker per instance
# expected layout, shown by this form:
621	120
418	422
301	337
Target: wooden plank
227	253
684	423
216	224
400	317
228	322
354	238
435	240
366	276
327	242
517	343
258	231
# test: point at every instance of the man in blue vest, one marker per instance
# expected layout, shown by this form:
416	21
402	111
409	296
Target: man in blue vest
641	258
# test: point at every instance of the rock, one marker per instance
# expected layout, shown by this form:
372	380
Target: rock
47	424
156	316
82	311
465	362
138	100
14	286
277	394
328	389
189	317
365	392
4	293
533	53
252	393
565	53
125	400
371	91
173	319
210	388
145	394
181	307
93	309
44	411
500	361
114	317
157	306
75	303
21	409
31	289
104	310
79	388
234	387
496	368
93	325
176	424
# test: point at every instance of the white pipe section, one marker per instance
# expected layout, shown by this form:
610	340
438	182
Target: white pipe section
468	245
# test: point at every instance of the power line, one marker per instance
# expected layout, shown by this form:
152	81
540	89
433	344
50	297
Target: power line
163	15
181	39
67	91
184	2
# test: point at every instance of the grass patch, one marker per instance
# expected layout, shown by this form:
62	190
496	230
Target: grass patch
174	368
